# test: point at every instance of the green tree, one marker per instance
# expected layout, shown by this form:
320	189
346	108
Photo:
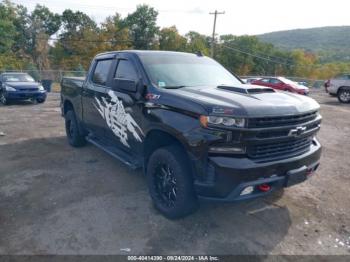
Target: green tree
114	34
77	41
197	43
170	39
7	28
45	21
143	27
73	23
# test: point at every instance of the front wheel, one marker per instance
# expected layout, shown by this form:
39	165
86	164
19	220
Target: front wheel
40	100
3	99
170	182
75	138
344	95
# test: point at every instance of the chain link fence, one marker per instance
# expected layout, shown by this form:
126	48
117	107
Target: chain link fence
54	77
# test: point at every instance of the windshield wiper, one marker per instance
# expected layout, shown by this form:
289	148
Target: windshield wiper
174	87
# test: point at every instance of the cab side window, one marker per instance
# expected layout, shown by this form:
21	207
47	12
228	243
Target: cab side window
125	70
274	81
101	71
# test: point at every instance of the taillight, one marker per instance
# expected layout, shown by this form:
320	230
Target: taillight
327	83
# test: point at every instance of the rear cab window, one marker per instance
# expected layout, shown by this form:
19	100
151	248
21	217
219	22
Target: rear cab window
101	71
342	77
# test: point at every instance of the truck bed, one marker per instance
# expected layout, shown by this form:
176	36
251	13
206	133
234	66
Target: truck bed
73	81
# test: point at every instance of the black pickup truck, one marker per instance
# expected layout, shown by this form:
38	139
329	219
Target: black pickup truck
194	128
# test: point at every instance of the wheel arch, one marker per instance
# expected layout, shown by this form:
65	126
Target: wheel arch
342	87
157	138
67	105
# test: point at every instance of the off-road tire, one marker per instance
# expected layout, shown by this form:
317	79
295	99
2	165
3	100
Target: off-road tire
185	201
75	138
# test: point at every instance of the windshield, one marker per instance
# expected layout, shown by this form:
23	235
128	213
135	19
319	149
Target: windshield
288	81
177	70
17	78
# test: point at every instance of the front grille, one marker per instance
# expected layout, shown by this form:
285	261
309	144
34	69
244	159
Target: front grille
278	150
281	121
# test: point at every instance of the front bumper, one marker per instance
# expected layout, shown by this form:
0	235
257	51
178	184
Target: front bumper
24	95
303	92
230	176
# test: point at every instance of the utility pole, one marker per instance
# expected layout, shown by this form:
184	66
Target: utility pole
213	37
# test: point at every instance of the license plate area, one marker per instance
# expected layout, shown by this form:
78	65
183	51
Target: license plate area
296	176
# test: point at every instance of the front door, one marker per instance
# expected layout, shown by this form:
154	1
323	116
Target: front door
276	84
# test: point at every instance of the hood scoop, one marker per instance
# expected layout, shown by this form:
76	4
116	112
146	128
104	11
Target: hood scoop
248	90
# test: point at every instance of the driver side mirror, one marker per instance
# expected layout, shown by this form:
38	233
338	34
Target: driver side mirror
124	85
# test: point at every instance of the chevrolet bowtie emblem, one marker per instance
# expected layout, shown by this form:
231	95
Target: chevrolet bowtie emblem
297	131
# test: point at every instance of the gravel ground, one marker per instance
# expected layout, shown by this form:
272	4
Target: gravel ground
55	199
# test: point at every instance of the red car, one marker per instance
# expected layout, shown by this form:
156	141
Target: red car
282	83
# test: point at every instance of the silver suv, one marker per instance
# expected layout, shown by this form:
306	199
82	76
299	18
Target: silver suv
339	86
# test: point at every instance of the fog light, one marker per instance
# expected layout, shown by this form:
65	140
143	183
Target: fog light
227	150
248	190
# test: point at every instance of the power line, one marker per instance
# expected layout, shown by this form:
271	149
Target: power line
270	60
254	55
216	13
255	52
42	2
84	40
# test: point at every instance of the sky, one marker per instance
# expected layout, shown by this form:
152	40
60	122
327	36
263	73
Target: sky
241	16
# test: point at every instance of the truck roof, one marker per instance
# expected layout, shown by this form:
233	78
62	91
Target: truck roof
143	52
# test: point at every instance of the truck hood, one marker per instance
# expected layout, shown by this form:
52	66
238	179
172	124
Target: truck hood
247	100
23	85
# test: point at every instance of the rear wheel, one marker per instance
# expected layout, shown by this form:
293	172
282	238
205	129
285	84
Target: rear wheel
3	99
344	95
75	138
170	182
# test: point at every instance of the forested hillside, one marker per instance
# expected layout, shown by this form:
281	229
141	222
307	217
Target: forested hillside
330	43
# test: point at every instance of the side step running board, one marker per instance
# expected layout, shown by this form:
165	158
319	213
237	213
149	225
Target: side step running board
116	153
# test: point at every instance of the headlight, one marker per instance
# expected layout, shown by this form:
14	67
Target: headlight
222	121
41	88
9	88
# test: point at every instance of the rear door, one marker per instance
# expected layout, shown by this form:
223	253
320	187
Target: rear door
94	95
125	131
264	82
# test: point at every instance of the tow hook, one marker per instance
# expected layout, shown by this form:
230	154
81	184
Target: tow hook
311	170
264	187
